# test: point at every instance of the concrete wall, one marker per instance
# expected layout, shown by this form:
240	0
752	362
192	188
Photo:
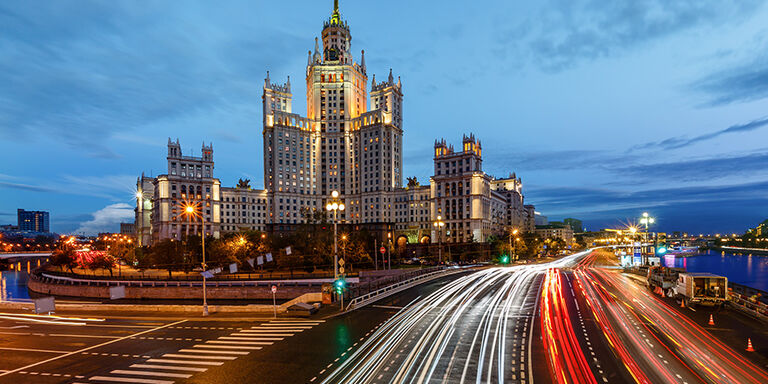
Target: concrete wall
172	291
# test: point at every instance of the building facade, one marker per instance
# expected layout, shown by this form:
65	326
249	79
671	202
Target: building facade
350	140
33	221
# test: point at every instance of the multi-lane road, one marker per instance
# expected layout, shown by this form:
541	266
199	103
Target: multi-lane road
567	321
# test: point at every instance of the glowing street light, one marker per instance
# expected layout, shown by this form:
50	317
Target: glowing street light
439	224
335	205
191	211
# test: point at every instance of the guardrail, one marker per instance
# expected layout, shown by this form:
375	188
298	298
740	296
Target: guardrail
53	279
371	297
195	276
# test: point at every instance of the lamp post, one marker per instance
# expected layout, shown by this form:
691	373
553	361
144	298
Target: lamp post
335	205
439	224
647	221
513	233
191	210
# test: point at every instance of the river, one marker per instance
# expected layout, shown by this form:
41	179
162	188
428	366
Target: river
747	270
13	286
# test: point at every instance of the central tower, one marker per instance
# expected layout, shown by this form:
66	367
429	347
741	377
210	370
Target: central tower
341	144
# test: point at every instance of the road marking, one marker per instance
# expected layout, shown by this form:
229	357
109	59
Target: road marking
86	336
217	363
130	380
297	321
201	357
169	367
251	338
263	334
92	347
31	350
240	342
148	373
225	346
281	329
386	306
204	351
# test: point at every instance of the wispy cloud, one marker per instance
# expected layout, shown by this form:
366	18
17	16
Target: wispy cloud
743	83
26	187
107	219
567	32
682	141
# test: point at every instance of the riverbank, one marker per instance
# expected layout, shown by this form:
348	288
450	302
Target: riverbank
751	271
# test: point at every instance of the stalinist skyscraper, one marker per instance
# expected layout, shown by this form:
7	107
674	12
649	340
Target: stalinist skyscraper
344	143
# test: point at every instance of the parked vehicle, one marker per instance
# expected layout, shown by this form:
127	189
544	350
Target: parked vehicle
664	278
702	289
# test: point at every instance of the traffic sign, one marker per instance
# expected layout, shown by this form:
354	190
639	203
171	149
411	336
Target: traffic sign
341	269
382	250
274	289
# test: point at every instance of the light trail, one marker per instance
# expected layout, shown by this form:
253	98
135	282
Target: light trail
624	310
463	332
567	362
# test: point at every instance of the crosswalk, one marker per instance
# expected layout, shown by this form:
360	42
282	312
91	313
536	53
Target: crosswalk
191	360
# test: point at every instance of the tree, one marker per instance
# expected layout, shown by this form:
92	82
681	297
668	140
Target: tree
103	261
168	255
64	258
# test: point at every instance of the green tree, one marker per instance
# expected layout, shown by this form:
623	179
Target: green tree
64	258
168	255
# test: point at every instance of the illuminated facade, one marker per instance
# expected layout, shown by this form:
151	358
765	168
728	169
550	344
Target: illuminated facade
351	141
341	144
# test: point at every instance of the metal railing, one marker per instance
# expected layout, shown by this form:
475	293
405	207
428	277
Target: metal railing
45	277
376	295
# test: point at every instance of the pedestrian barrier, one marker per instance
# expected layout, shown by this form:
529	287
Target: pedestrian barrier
377	295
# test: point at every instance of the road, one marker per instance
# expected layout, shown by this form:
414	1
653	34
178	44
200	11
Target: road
479	328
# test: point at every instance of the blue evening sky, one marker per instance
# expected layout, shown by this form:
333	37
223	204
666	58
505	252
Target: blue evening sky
605	109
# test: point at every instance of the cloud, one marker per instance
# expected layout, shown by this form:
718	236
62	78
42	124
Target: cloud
699	169
26	187
567	32
740	84
122	67
107	219
681	141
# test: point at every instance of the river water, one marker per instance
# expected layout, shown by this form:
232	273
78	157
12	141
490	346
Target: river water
747	270
13	286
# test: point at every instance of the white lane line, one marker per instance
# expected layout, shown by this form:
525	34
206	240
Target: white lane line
306	325
281	329
209	351
226	346
169	367
263	334
148	373
31	350
251	338
92	347
240	342
167	361
297	321
201	357
86	336
129	380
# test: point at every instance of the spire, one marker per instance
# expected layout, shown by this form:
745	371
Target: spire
391	79
335	17
266	81
399	84
288	84
309	58
373	80
317	56
362	61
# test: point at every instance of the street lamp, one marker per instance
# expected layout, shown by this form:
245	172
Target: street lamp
647	221
191	211
335	205
439	224
513	233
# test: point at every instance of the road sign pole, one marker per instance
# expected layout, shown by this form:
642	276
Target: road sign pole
274	302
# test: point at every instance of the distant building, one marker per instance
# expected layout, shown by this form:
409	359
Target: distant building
33	221
127	229
541	219
575	224
555	231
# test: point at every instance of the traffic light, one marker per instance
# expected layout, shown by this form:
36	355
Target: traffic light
504	259
339	284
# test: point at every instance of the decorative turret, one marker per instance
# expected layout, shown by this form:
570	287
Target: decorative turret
336	38
470	144
362	61
174	148
442	148
284	88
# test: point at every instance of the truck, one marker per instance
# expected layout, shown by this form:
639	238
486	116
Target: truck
663	278
702	289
